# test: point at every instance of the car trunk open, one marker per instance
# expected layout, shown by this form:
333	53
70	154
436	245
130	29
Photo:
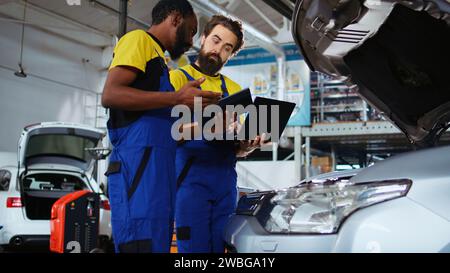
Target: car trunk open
41	190
54	160
47	144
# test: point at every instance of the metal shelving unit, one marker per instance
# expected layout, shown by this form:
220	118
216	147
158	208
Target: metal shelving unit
353	143
333	101
353	139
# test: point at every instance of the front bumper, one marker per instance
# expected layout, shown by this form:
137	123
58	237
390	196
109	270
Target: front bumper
399	225
245	234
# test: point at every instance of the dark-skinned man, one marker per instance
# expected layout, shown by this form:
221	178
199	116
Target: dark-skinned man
141	172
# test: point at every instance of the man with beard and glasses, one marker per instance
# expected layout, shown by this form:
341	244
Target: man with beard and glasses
141	171
206	175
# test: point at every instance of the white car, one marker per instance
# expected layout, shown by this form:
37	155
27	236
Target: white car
397	53
397	205
54	159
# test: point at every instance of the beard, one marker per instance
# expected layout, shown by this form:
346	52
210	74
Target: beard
208	64
181	46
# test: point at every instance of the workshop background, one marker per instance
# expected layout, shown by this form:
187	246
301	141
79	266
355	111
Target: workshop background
65	48
55	54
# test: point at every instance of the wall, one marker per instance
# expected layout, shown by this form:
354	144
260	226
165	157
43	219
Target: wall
8	159
59	86
266	175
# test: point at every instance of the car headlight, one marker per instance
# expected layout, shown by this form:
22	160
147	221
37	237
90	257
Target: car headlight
322	208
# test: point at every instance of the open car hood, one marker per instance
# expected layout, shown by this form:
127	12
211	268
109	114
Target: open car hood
396	52
58	143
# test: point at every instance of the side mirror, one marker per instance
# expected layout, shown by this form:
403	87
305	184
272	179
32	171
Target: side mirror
98	153
5	179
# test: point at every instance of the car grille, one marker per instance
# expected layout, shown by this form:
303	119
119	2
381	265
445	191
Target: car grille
349	36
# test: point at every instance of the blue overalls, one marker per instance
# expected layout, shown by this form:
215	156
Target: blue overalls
206	194
141	180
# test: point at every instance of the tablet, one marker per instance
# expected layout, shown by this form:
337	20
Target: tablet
285	110
243	97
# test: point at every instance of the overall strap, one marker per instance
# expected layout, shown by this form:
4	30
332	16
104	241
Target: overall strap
222	79
224	86
189	77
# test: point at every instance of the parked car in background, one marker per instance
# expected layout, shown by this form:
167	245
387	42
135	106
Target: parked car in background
396	52
54	159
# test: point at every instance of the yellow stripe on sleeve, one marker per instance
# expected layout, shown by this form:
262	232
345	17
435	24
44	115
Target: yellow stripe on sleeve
133	49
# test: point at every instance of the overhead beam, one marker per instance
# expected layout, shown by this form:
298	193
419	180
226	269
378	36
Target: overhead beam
123	14
281	7
54	23
262	15
63	18
232	5
117	12
49	29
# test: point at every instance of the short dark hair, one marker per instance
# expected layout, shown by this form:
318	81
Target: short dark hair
233	25
165	7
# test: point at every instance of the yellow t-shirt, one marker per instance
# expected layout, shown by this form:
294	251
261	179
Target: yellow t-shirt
211	83
137	49
141	50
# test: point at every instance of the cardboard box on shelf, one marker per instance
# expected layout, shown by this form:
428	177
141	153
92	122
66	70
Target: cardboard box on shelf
322	162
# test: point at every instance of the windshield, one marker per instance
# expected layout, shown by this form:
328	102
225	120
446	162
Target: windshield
60	145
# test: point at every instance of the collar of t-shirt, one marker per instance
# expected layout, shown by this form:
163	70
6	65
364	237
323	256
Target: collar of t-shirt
157	41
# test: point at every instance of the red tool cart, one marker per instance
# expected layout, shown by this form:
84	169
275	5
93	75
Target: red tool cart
74	223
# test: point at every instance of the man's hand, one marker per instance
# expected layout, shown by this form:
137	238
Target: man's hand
190	90
192	128
229	123
246	147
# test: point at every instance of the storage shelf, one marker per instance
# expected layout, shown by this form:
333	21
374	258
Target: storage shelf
338	108
346	129
343	87
338	101
337	96
340	111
